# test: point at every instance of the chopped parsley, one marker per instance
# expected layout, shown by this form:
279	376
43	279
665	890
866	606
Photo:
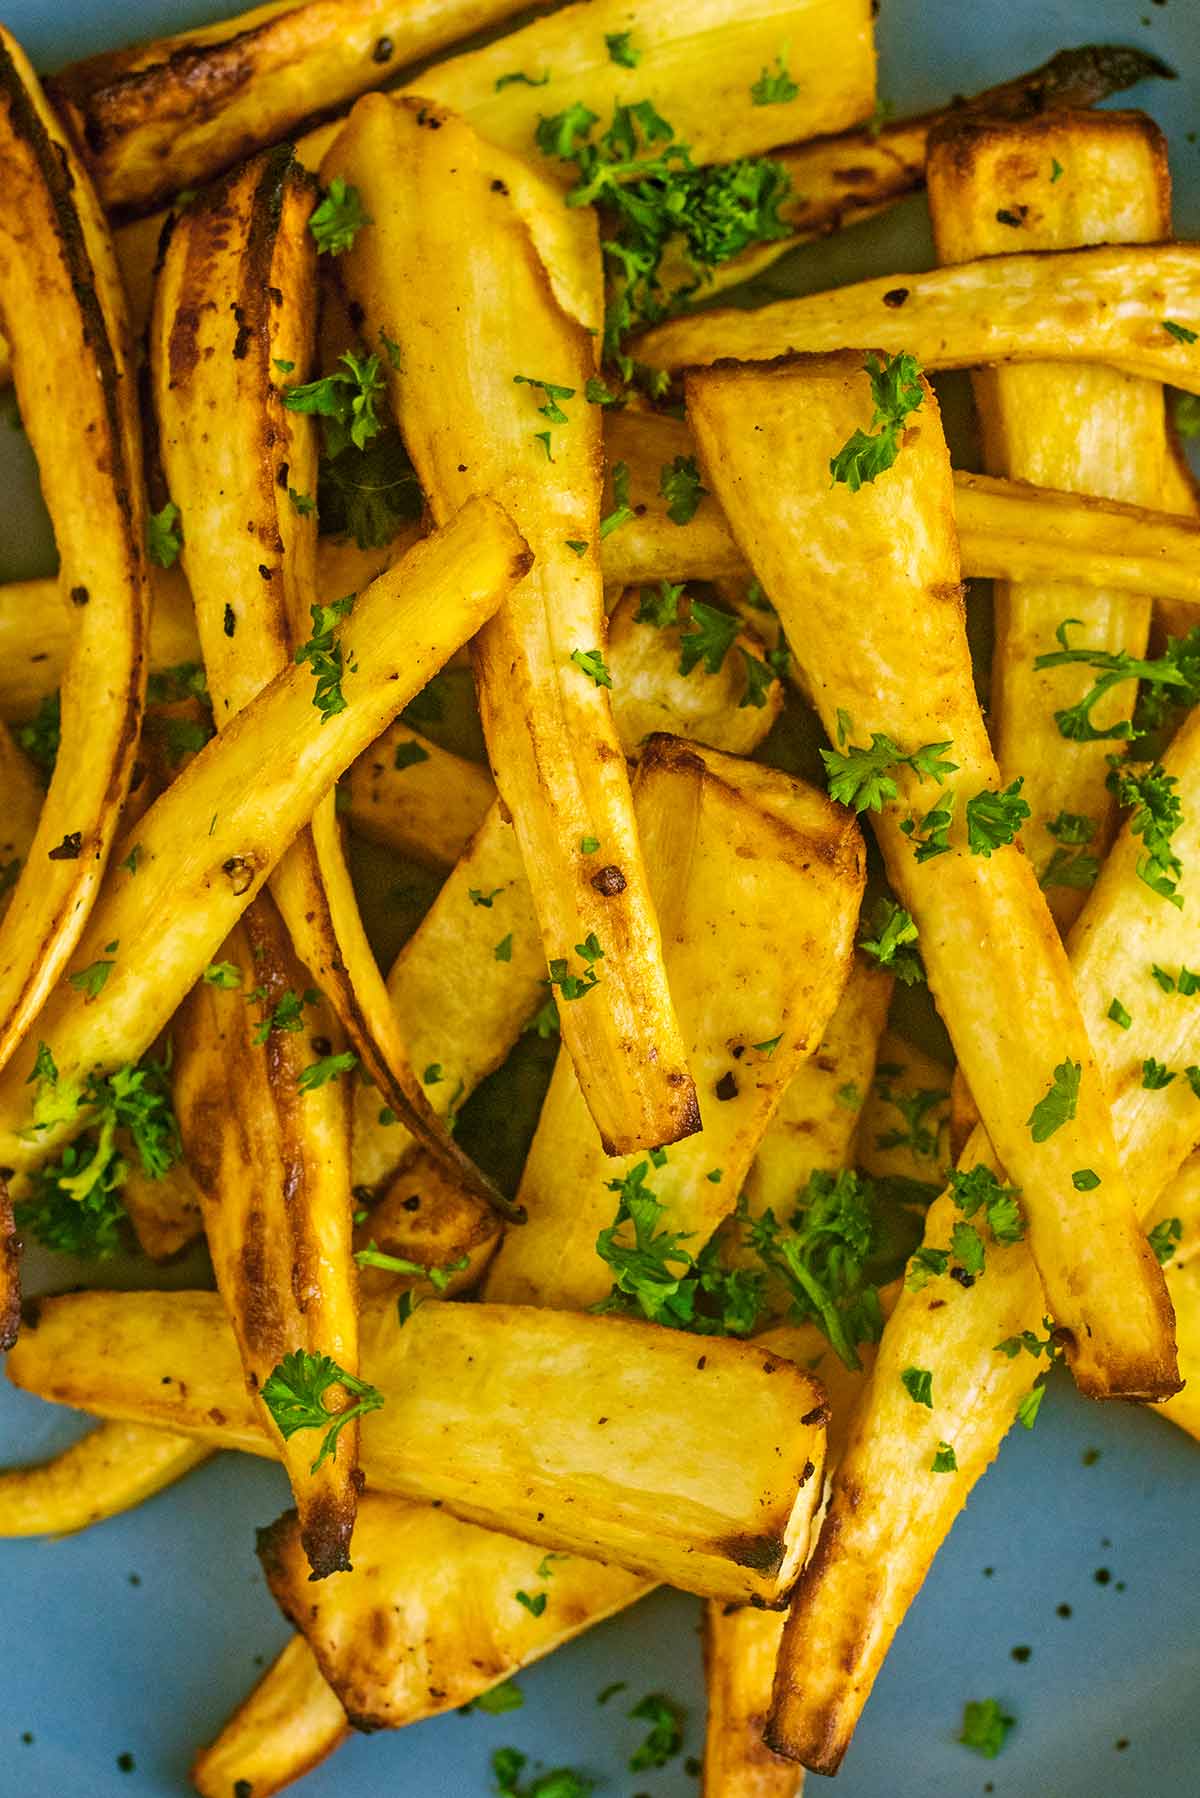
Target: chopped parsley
534	1604
1156	815
1155	1075
320	1073
294	1393
223	974
591	662
497	1701
821	1255
621	50
774	87
560	1782
1118	1015
1171	678
40	737
164	538
1058	1106
994	819
897	392
666	1732
944	1460
1085	1179
1030	1405
92	979
339	218
1164	1239
304	505
709	640
914	1109
918	1383
1180	333
519	79
409	755
550	409
345	401
985	1727
680	485
893	935
367	493
622	511
930	833
478	897
286	1015
864	776
574	986
503	949
438	1277
325	656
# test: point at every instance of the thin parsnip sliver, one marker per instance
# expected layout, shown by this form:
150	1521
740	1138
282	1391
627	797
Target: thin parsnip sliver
450	271
111	1469
64	313
286	1726
590	1435
890	1510
177	887
1098	305
866	584
738	855
272	1162
1075	427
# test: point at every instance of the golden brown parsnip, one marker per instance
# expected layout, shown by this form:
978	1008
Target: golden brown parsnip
111	1469
64	314
285	1728
908	1099
740	858
890	1512
429	1220
171	906
866	585
164	1212
1176	1218
595	1435
417	798
171	112
1097	305
1064	180
740	1648
23	798
272	1163
432	1618
464	243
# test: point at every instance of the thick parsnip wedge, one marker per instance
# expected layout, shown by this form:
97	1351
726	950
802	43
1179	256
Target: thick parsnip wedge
1063	180
287	1726
242	468
890	1510
63	311
866	585
1175	1221
839	181
431	1617
1101	305
272	1162
412	796
113	1468
450	269
171	112
817	1120
595	1435
741	858
171	905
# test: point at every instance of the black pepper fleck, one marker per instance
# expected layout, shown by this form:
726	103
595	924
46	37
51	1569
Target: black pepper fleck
964	1279
126	1762
726	1087
230	620
1102	1576
1064	1610
1022	1652
79	596
1121	1744
895	296
383	51
1005	217
1090	1456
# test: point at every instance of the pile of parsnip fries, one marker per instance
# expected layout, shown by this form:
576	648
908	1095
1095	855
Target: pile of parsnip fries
400	377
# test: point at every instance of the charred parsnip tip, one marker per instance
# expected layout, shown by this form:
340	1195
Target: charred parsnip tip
891	1510
430	1617
866	584
169	113
287	1726
248	495
113	1468
1133	308
1065	180
480	278
272	1162
493	1410
169	907
724	840
63	310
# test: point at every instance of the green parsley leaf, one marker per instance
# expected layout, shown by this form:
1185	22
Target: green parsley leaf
503	949
1085	1179
319	1073
409	755
1058	1106
1172	678
1030	1405
821	1255
1155	1075
287	1015
985	1727
535	1605
924	1265
303	503
1164	1239
896	390
680	485
994	819
1072	827
543	437
893	934
1056	169
622	511
478	897
43	1067
659	608
520	79
1118	1015
574	986
339	218
620	50
944	1460
666	1734
40	737
769	1047
1186	413
711	635
588	845
1180	333
223	974
966	1246
294	1393
284	367
164	538
980	1189
433	1074
391	348
1078	871
344	400
498	1700
1157	814
368	493
91	980
550	394
324	655
438	1277
914	1108
578	545
591	662
918	1383
544	1022
864	776
559	1782
774	88
930	833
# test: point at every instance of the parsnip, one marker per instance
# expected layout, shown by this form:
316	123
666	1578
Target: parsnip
287	1726
111	1469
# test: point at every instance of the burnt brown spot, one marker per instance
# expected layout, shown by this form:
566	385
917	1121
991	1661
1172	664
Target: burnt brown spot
609	881
726	1087
383	51
818	1415
895	296
70	849
79	596
239	872
762	1554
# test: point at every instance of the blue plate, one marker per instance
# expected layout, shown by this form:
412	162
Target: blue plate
1082	1546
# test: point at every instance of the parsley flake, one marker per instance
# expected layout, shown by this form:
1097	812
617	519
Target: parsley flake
409	755
1058	1106
1180	333
164	538
680	485
621	50
325	656
622	511
891	942
1164	1239
944	1460
774	87
985	1727
319	1073
864	776
591	662
994	819
918	1383
345	401
294	1393
896	390
339	218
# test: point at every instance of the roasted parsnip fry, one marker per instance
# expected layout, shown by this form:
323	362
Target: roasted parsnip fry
416	798
1066	179
817	1119
650	546
426	1219
740	858
169	113
1180	494
63	311
432	1618
272	1162
284	1729
890	1511
839	181
245	489
740	1648
111	1469
455	244
23	798
1101	305
164	1211
1175	1220
595	1435
171	905
903	1128
866	585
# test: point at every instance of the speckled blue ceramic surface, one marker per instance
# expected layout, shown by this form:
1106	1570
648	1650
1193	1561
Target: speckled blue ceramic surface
1081	1547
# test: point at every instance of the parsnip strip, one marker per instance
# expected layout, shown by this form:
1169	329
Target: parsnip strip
256	784
597	1436
452	257
1177	1217
740	858
890	1512
1089	430
866	585
63	310
1108	305
113	1468
287	1726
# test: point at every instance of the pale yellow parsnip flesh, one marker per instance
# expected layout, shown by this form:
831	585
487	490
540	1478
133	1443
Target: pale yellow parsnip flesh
867	588
283	1729
111	1469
